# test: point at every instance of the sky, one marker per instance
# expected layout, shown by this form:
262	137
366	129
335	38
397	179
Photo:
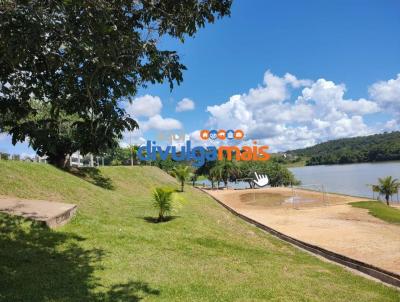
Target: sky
290	74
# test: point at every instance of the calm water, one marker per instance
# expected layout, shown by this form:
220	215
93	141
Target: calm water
348	179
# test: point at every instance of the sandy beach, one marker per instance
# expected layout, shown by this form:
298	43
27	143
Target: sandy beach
333	225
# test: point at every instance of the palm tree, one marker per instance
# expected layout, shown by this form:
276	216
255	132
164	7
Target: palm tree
387	186
215	174
211	178
375	189
162	201
181	173
225	169
193	177
133	154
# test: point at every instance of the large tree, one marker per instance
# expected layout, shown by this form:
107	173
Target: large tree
71	63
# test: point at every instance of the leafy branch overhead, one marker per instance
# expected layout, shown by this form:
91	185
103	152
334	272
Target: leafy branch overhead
81	59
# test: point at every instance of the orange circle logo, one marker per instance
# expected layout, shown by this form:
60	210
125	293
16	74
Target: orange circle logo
238	134
221	134
204	134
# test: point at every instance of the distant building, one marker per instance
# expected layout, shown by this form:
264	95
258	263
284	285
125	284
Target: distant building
76	160
41	159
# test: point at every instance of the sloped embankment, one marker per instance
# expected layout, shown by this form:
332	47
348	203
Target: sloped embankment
111	250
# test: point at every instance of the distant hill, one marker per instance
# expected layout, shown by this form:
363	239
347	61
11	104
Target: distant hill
372	148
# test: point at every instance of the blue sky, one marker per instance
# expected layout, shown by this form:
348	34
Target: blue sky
290	73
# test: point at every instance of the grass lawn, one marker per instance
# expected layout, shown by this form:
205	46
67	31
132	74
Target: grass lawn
111	251
380	210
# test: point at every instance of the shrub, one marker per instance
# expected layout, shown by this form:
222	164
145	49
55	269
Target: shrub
162	198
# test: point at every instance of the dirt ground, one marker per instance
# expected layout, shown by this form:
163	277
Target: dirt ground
333	224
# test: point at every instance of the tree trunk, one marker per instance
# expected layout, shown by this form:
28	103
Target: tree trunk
160	217
59	160
182	185
387	199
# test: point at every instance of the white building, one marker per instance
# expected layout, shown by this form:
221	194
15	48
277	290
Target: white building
76	160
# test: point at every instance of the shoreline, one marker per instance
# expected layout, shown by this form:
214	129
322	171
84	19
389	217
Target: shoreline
340	229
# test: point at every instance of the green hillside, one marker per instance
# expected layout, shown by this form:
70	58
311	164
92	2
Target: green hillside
372	148
111	251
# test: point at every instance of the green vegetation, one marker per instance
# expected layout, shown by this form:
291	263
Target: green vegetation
379	210
387	186
278	174
111	252
301	163
120	156
224	170
162	202
66	70
227	170
182	173
289	160
378	147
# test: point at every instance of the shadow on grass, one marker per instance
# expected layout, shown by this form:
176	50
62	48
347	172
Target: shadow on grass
123	292
155	219
38	264
94	176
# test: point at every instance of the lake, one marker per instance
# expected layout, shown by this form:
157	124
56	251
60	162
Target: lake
351	179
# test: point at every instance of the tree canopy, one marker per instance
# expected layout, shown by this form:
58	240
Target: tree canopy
82	59
377	147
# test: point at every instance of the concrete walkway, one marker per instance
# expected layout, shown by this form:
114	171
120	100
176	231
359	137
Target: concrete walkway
53	214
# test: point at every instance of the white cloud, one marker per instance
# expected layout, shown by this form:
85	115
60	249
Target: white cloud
273	89
134	137
347	127
329	97
146	110
185	105
387	95
391	125
232	114
159	123
146	106
296	83
269	114
361	106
